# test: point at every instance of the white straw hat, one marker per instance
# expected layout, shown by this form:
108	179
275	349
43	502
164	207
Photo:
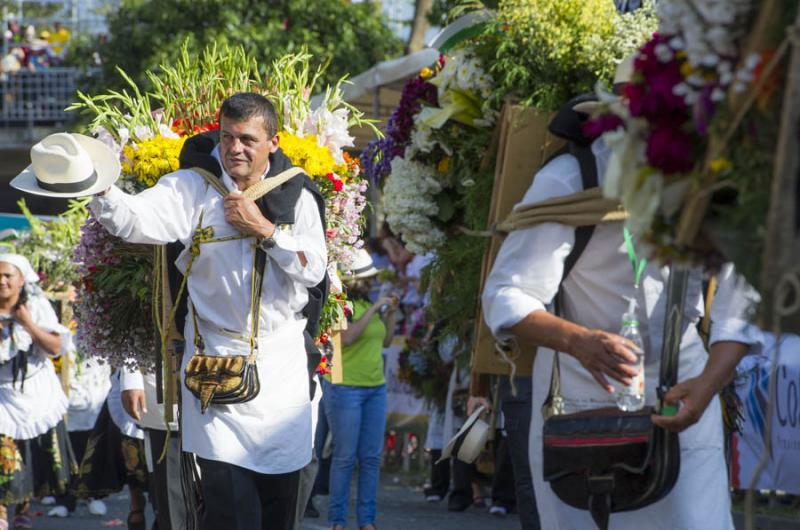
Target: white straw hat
69	165
363	266
468	443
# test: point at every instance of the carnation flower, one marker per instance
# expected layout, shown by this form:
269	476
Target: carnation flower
670	150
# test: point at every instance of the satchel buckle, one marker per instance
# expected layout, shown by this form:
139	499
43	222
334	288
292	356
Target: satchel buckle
554	407
600	487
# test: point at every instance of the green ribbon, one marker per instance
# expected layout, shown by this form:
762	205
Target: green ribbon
638	265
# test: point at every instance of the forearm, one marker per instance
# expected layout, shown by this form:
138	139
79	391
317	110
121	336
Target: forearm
722	362
541	328
50	342
155	216
388	321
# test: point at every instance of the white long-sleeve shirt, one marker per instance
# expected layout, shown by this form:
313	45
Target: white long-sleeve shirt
270	434
526	277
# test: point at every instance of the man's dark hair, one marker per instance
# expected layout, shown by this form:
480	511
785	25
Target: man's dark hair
246	105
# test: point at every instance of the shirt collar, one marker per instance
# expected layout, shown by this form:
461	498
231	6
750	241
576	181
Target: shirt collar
226	179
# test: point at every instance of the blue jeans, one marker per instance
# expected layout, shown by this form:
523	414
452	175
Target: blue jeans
357	419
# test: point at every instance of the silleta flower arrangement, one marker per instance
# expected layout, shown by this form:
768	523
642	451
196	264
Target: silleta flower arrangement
423	187
693	136
49	245
118	294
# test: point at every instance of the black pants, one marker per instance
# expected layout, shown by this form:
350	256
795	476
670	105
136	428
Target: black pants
462	473
517	426
440	475
159	493
236	498
503	484
78	441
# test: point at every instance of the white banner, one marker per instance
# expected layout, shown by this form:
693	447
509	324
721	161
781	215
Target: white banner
782	471
402	407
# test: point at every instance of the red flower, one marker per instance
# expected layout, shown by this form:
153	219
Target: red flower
597	126
670	150
338	185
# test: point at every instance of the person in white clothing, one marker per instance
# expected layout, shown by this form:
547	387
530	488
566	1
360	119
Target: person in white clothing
250	453
520	288
32	403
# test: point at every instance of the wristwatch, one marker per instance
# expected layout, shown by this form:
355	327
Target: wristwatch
268	242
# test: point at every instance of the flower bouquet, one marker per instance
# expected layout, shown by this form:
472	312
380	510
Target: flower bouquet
438	159
49	245
694	140
120	292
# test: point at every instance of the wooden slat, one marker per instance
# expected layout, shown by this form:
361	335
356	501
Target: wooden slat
780	275
525	144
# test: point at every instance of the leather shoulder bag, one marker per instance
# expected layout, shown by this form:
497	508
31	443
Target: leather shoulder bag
606	460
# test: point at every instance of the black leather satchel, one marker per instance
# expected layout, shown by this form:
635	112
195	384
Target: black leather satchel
606	460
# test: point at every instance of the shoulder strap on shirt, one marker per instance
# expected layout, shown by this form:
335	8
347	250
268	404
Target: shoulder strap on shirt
254	192
587	162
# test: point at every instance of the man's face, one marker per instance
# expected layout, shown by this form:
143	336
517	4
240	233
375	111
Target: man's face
244	148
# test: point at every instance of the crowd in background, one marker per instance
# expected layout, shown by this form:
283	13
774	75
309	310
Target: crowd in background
30	48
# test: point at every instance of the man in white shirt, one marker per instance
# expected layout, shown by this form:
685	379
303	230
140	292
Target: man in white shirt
524	281
249	453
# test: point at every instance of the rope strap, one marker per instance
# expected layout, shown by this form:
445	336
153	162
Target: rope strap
584	208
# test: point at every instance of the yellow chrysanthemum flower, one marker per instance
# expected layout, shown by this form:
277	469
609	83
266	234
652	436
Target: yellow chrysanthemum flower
153	158
316	160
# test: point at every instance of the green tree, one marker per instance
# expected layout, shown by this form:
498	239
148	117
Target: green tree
146	33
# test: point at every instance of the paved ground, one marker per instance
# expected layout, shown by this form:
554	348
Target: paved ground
400	507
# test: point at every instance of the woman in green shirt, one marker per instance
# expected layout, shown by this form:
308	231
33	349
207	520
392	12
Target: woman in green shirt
356	407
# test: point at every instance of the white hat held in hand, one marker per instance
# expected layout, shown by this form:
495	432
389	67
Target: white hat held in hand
362	266
69	165
468	443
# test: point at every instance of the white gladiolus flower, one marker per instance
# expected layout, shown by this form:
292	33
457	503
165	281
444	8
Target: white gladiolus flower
642	202
627	154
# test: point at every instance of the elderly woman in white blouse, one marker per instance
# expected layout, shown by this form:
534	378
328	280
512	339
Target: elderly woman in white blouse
32	403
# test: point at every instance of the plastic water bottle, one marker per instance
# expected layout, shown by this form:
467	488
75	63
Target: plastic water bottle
630	398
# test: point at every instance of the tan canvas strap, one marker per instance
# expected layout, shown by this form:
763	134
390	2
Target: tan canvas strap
256	191
584	208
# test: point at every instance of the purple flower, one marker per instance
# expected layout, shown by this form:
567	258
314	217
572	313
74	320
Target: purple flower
377	156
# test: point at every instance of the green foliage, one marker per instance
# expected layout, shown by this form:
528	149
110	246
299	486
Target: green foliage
552	50
194	87
50	245
148	33
453	276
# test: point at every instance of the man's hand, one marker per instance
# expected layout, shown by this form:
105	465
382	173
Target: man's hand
133	403
604	355
477	401
694	395
243	214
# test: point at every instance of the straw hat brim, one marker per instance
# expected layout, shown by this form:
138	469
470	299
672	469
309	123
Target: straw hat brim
369	273
474	434
105	162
